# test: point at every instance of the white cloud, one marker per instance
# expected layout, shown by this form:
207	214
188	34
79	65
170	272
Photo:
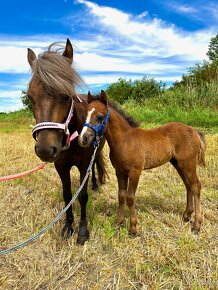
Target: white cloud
13	51
182	8
107	79
148	35
10	93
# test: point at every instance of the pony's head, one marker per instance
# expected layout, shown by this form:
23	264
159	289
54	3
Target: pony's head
96	119
51	92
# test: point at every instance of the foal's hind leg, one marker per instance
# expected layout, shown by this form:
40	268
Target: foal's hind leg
64	173
190	199
122	184
188	169
130	198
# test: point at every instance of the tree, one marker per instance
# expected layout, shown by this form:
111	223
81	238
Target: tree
213	49
26	101
120	90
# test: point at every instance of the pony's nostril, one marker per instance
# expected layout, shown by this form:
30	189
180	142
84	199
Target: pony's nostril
54	151
46	153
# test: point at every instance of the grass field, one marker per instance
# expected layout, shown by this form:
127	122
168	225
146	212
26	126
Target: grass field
166	255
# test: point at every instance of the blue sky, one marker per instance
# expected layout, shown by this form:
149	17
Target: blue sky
111	39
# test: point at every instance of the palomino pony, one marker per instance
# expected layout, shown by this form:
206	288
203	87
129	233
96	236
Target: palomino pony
133	149
59	112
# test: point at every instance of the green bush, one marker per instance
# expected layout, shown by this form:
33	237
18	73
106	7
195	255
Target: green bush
147	88
121	90
139	90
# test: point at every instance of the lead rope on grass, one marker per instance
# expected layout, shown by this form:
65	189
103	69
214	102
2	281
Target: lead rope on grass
18	175
23	244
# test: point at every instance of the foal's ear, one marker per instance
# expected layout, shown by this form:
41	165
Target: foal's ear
31	56
104	99
89	97
68	52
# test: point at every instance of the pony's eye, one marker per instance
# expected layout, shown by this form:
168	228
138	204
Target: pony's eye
29	97
66	98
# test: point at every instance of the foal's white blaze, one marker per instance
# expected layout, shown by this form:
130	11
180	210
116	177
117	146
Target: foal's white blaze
84	129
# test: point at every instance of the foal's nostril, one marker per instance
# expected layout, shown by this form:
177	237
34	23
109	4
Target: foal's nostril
85	139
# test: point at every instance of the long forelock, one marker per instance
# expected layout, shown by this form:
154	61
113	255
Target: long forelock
57	73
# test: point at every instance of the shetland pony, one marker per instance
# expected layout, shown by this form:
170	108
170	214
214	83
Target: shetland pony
133	149
59	112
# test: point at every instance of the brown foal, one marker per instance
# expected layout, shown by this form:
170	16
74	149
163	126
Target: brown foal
133	149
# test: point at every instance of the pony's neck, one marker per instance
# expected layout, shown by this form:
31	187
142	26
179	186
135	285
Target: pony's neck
117	128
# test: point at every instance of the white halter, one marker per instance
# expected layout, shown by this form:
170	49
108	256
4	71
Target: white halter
53	125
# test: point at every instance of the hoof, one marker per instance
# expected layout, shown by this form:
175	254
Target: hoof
82	239
195	232
186	218
67	232
133	232
119	222
134	235
95	187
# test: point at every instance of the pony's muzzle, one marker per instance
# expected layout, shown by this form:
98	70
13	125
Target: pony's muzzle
48	145
46	153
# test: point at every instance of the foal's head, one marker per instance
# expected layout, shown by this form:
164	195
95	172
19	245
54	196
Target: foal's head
51	91
97	113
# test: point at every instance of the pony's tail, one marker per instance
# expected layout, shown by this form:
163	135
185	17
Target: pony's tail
101	167
201	152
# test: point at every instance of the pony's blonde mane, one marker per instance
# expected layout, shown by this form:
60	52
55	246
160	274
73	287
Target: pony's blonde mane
56	72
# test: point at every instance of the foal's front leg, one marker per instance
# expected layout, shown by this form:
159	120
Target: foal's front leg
122	188
130	198
64	173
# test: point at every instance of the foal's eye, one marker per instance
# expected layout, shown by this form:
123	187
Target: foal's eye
100	118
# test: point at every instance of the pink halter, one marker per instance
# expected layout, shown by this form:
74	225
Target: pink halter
53	125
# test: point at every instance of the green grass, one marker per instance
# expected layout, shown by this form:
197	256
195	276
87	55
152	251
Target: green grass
18	120
165	254
151	116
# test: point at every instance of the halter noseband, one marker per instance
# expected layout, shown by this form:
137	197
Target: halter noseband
99	129
53	125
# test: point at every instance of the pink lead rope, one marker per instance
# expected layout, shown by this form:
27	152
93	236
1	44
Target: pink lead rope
18	175
42	166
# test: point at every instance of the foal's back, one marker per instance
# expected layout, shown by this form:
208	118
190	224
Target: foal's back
160	145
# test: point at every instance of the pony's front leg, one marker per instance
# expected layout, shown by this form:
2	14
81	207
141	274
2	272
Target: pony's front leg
130	199
83	234
122	188
64	173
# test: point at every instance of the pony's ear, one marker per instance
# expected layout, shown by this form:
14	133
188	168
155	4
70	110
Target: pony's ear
104	99
68	52
31	56
89	97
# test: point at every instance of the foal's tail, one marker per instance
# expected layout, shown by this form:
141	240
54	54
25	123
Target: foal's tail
101	167
201	152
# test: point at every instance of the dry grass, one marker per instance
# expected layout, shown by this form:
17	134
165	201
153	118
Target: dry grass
166	255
